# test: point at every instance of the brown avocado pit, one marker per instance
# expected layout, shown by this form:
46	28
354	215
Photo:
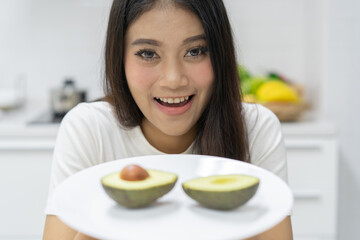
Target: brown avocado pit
134	172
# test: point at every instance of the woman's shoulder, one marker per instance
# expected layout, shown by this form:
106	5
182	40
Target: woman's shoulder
256	114
93	117
261	123
89	111
88	108
266	142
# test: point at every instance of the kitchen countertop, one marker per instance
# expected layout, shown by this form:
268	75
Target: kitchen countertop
15	122
309	128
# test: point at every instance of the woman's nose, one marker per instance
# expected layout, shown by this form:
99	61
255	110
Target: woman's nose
173	76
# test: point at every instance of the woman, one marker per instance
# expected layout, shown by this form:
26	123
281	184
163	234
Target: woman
171	86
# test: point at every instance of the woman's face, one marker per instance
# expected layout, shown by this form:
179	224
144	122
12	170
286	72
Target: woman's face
168	70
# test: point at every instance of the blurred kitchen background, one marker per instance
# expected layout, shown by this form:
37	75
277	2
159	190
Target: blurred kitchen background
312	43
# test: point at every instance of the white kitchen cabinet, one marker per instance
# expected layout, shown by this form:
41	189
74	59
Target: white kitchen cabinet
313	178
25	162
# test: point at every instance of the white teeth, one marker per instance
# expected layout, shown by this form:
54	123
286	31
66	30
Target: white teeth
173	100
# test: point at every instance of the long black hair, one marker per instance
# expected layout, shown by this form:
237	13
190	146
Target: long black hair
221	129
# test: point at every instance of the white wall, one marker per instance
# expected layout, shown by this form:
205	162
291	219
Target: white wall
47	40
342	105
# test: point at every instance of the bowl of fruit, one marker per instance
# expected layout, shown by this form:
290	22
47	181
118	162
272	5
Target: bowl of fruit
283	97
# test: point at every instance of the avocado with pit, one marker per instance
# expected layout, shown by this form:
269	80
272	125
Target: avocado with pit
222	192
135	187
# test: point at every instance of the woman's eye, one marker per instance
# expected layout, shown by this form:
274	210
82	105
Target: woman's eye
147	55
194	52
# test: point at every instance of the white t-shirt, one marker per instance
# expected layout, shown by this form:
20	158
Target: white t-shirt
90	134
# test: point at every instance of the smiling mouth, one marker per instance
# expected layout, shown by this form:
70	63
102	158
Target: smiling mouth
174	102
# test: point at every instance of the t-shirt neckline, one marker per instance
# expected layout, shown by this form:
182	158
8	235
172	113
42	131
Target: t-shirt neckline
145	142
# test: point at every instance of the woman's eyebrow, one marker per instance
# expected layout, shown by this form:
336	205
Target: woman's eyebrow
194	38
141	41
153	42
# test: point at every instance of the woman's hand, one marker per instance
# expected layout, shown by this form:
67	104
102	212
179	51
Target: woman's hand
282	231
57	230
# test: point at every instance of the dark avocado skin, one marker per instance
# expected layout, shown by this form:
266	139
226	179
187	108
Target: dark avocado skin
222	200
138	198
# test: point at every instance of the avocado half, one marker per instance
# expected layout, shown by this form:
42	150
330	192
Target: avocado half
136	194
223	192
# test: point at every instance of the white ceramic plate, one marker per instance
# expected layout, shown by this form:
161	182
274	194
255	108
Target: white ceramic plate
81	203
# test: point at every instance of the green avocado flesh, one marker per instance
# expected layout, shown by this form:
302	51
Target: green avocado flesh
223	192
135	194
